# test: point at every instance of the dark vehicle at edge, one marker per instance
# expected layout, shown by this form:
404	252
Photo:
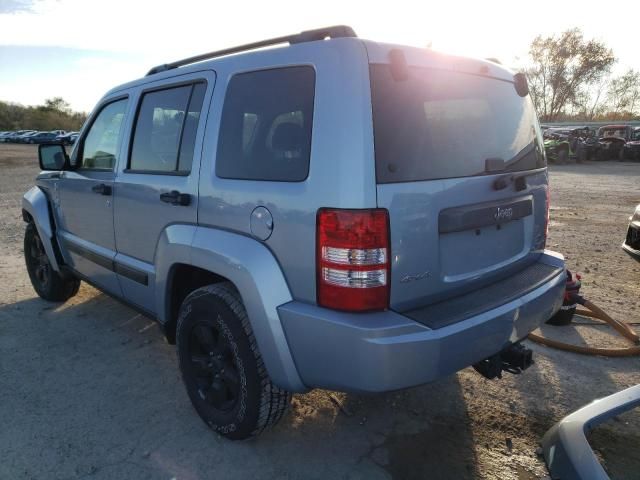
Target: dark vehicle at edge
631	243
631	149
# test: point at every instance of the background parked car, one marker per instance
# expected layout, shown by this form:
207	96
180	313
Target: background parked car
631	149
12	137
41	137
22	138
68	138
612	139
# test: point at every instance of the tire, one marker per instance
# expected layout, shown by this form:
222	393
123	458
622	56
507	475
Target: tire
48	284
563	156
621	156
221	366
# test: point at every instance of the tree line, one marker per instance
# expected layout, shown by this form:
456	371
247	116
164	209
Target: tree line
54	114
570	78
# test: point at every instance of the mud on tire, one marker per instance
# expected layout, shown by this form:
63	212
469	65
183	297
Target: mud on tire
221	366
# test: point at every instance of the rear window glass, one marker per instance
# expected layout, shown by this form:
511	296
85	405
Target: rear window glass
265	131
443	124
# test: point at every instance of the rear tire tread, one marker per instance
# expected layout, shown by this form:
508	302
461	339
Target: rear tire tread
274	401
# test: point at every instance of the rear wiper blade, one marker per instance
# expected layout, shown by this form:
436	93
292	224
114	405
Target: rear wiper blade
503	181
494	165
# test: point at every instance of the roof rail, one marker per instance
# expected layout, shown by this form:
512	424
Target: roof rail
302	37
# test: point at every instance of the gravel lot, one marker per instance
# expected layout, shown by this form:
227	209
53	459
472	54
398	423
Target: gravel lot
91	389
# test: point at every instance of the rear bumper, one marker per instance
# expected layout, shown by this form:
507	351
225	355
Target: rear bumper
389	351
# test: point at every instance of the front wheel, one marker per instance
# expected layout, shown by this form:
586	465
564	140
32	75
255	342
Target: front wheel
48	283
221	366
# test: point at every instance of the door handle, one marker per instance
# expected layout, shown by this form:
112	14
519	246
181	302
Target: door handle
102	189
174	197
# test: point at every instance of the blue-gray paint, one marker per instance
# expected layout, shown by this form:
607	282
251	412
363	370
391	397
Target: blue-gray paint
388	351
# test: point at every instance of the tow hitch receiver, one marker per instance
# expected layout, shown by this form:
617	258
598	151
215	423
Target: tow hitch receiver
514	359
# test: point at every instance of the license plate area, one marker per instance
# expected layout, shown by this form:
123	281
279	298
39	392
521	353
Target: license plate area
468	217
472	253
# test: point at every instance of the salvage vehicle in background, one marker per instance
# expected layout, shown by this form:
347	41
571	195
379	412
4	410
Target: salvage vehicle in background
557	146
631	244
563	143
611	141
308	217
631	149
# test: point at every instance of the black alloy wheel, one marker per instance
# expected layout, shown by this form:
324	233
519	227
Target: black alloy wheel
38	262
213	366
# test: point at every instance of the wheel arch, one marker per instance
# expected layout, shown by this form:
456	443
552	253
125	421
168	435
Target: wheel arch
37	209
189	255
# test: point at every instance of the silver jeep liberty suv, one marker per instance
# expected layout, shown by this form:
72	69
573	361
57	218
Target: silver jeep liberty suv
308	216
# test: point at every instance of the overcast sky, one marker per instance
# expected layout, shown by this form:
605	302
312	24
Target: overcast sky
79	49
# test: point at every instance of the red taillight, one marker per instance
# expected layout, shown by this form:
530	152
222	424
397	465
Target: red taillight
352	259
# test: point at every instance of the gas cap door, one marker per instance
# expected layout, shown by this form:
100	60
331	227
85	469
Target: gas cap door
261	223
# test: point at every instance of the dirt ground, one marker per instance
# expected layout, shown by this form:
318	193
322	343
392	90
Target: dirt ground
91	389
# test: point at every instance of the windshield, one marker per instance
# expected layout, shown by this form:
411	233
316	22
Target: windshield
613	132
444	124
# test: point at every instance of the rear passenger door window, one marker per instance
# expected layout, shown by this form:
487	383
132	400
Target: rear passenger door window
265	131
165	130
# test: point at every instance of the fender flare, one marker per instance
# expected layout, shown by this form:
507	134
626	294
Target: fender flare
36	204
254	271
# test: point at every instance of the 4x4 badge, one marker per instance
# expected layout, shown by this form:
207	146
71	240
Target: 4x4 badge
412	278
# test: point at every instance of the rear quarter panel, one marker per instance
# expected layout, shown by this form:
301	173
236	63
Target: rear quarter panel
341	173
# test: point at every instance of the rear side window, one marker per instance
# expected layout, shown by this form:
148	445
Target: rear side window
265	131
443	124
165	131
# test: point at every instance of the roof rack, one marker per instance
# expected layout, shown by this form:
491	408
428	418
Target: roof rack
302	37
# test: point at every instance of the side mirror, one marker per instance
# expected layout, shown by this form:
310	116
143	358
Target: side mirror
53	156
